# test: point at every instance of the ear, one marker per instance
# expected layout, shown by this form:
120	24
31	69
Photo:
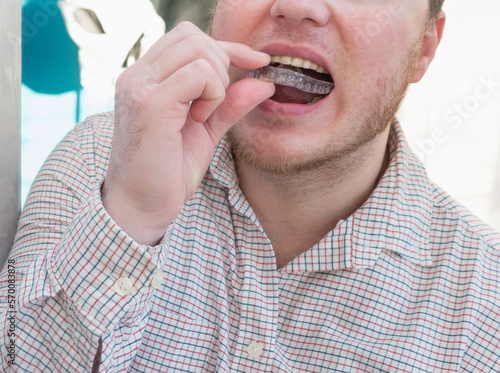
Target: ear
432	38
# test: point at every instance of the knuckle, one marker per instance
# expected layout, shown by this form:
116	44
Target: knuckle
222	96
134	88
187	26
231	106
202	66
226	80
196	43
123	78
219	91
139	99
226	61
196	39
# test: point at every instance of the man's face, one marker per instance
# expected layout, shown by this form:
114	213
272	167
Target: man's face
370	49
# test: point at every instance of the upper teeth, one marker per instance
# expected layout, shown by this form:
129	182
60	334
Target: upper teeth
299	62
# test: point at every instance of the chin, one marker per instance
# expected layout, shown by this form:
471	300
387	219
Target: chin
279	155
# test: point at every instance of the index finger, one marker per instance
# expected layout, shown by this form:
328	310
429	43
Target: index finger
243	56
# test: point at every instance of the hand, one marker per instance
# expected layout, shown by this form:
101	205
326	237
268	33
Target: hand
172	108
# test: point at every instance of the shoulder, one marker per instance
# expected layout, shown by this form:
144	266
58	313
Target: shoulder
91	142
452	220
466	251
95	126
466	256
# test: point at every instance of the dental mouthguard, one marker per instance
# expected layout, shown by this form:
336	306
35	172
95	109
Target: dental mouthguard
291	78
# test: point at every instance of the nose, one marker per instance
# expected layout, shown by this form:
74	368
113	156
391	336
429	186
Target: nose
300	11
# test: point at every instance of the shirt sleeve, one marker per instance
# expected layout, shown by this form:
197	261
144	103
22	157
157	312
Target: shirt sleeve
78	277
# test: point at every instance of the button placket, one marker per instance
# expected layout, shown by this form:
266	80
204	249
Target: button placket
255	349
257	329
157	280
258	303
123	286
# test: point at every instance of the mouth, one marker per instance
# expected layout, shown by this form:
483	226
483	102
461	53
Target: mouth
297	80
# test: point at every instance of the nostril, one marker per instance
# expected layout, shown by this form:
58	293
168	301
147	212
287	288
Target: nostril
296	12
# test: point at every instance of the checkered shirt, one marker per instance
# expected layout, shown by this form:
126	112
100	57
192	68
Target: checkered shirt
409	283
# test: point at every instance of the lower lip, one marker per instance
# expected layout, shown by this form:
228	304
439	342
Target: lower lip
292	110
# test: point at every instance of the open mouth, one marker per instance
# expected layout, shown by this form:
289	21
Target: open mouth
297	81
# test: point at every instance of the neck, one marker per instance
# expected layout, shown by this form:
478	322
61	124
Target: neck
297	211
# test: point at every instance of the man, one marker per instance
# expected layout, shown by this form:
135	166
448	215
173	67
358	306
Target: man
310	240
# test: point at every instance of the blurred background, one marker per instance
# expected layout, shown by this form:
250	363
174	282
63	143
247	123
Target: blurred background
452	117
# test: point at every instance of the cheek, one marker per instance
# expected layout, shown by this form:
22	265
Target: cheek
377	54
235	20
374	30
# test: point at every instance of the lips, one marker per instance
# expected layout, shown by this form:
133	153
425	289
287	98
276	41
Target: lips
305	64
297	80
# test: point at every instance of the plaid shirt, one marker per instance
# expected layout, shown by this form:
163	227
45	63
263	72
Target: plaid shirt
409	283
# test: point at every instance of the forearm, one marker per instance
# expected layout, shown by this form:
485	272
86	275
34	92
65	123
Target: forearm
68	255
68	297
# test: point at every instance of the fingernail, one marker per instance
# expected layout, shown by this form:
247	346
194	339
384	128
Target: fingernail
261	54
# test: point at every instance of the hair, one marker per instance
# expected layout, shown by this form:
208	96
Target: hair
434	8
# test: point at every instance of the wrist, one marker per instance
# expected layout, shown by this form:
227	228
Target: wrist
143	225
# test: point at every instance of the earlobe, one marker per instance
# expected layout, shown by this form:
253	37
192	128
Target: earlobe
431	41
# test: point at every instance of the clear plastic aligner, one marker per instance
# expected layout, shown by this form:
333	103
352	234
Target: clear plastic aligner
291	78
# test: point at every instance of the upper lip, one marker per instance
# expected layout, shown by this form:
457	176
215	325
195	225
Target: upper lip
301	51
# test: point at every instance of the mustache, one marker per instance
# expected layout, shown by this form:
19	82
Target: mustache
307	36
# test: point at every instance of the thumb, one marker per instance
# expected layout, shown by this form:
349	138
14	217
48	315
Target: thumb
241	98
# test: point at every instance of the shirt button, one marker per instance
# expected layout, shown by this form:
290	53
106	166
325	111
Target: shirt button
157	280
255	349
123	286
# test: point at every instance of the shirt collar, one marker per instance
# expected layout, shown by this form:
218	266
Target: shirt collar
222	166
398	214
396	217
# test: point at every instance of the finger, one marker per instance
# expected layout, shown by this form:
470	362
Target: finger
201	109
241	97
167	54
243	56
177	34
172	97
189	49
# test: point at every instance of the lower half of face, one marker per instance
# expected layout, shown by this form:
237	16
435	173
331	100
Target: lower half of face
345	121
370	74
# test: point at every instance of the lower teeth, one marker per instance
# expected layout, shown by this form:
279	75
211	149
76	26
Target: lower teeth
291	78
316	99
